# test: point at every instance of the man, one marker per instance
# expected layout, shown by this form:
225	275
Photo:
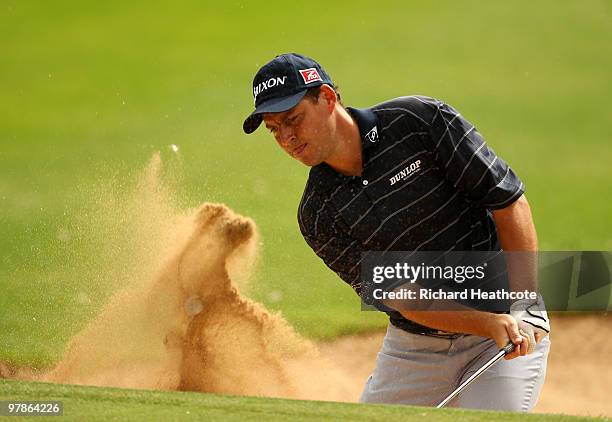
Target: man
409	174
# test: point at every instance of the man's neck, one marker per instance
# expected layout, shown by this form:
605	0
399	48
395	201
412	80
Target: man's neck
347	158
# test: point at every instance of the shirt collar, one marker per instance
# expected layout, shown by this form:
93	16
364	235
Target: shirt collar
368	126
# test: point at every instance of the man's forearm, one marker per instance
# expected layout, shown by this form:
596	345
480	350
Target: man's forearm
517	236
502	328
515	228
457	319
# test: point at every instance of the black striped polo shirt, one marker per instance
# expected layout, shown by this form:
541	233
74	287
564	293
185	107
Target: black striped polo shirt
428	183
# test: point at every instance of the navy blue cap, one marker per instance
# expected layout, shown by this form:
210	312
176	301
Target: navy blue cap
281	83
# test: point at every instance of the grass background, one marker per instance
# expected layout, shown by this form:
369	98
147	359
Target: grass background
89	90
92	404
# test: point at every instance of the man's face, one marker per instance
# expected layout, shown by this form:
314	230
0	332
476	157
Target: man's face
304	131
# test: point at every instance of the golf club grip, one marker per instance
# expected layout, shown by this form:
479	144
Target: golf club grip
508	348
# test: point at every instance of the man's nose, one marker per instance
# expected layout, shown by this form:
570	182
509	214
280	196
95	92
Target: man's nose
287	135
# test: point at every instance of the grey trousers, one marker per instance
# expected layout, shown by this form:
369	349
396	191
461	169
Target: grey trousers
422	370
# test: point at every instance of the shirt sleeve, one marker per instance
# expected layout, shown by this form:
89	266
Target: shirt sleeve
473	167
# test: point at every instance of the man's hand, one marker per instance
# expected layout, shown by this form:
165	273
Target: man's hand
532	319
503	329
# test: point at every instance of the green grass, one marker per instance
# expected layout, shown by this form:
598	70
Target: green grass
92	89
91	403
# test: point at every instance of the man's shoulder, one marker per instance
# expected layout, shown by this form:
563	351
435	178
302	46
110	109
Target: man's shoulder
410	101
417	107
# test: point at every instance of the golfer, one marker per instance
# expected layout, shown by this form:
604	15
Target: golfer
410	174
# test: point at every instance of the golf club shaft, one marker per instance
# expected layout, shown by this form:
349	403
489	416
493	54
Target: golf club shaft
502	352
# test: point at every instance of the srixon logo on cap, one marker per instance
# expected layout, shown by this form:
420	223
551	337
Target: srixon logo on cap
310	75
272	82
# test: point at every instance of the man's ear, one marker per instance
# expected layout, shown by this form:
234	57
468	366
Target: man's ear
327	94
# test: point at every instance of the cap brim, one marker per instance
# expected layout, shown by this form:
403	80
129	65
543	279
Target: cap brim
275	105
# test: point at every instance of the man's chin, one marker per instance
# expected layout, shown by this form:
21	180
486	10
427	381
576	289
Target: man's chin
309	161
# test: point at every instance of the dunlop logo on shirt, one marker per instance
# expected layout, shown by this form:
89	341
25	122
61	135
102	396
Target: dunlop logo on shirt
407	172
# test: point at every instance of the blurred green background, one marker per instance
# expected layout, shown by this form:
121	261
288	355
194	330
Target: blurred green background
92	89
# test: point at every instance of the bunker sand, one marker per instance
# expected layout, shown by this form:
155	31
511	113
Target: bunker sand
188	327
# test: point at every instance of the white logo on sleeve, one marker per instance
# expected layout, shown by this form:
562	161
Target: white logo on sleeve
310	75
407	172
